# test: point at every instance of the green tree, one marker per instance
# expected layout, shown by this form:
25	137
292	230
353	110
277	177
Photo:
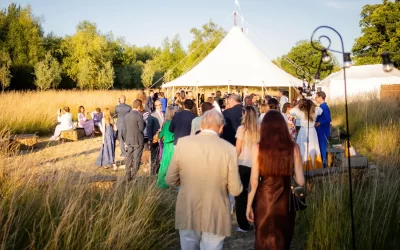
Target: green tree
21	35
380	27
204	41
48	73
303	54
5	74
148	74
88	57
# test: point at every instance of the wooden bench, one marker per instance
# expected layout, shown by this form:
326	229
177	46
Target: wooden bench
72	135
25	141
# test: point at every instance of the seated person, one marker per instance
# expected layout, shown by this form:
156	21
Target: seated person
97	115
85	123
65	121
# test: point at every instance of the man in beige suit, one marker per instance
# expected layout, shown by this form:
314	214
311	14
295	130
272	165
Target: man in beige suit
205	167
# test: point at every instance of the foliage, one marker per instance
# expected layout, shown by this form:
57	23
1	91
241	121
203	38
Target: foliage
303	54
21	36
5	74
88	58
380	25
148	74
204	41
48	73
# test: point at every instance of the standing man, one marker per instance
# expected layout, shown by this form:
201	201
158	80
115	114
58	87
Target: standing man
121	110
206	106
323	125
149	105
282	98
134	138
217	96
181	123
154	125
233	118
205	179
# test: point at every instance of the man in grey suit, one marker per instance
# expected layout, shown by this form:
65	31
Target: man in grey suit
154	125
149	102
121	110
134	138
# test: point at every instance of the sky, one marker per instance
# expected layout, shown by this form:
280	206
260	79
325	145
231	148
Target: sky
274	26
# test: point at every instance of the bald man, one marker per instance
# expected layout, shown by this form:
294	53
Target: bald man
120	111
154	125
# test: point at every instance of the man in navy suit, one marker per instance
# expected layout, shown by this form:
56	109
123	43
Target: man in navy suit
323	125
233	119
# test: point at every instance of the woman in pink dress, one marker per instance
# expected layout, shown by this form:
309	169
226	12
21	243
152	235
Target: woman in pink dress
85	123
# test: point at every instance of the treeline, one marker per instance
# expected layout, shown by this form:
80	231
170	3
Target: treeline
90	59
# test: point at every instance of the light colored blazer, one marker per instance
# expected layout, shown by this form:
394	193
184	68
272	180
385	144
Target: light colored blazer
205	167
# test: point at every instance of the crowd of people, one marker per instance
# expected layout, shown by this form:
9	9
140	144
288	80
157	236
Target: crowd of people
224	151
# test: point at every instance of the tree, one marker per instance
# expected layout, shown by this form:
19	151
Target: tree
88	57
48	73
148	74
204	41
303	54
21	35
5	74
380	26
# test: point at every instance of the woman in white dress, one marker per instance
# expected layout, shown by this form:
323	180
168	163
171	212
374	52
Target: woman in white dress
307	111
65	121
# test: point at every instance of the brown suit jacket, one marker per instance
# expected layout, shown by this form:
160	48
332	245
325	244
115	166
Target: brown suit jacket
205	167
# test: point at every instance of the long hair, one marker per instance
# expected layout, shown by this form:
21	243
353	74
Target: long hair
107	116
79	110
308	108
169	113
276	147
251	132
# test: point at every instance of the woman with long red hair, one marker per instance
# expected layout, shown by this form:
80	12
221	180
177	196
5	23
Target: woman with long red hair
274	159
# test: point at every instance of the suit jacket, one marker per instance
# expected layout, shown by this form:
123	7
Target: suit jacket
181	124
149	104
133	129
205	178
154	123
233	119
121	110
324	119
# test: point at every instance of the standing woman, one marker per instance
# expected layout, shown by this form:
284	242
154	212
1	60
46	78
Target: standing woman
106	156
290	119
270	184
168	150
84	122
307	139
247	135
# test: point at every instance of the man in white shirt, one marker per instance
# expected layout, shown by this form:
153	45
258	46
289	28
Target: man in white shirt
283	98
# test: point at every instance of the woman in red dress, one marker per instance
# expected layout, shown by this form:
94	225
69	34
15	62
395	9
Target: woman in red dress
270	183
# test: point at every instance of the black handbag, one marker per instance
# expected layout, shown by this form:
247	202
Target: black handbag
297	198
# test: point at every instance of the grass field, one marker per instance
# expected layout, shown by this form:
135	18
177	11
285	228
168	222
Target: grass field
55	198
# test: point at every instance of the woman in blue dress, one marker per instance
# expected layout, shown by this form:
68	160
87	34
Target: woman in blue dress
106	156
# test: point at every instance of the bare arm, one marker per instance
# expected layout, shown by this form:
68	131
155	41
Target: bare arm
254	179
298	167
103	129
239	143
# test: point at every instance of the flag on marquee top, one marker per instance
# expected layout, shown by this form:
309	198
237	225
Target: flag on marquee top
237	3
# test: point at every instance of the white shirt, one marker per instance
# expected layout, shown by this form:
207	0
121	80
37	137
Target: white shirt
66	121
282	101
216	106
210	131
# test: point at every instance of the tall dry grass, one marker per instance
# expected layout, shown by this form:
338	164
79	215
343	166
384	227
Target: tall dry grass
325	224
65	210
31	112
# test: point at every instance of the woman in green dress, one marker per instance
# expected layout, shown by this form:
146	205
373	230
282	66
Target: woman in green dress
168	140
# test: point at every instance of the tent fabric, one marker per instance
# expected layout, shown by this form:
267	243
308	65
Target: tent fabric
360	79
235	62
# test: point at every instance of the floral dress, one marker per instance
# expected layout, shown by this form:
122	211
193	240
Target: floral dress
292	126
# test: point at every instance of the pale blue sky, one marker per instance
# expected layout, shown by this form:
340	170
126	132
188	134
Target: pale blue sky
279	23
